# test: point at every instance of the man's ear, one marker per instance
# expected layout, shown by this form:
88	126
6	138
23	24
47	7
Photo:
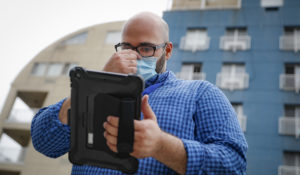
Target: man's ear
169	49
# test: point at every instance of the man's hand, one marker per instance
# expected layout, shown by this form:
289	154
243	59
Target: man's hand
123	62
63	113
147	134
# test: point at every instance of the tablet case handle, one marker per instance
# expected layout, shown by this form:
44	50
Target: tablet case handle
126	127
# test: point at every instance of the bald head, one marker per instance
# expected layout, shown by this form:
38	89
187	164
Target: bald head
146	22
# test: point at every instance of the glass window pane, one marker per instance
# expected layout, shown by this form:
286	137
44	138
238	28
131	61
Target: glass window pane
196	37
289	111
239	69
291	158
55	69
197	68
271	3
39	69
226	69
77	39
68	67
113	37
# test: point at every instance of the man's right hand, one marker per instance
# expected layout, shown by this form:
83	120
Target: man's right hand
124	62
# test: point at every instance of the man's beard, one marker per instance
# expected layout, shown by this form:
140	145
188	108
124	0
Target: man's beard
161	64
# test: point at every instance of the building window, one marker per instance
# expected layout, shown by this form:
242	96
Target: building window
271	3
55	69
235	39
238	107
290	39
289	124
195	39
290	80
68	67
291	163
39	69
233	77
113	37
77	39
191	71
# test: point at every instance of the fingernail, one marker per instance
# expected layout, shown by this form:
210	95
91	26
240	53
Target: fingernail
104	124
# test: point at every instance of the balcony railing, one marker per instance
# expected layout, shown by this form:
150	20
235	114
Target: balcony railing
205	4
191	76
288	170
232	82
271	3
235	43
243	122
290	82
201	45
289	126
291	42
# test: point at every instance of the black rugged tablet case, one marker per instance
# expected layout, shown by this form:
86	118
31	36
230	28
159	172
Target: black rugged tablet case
94	96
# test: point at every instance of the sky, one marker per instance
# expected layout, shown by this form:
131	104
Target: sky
29	26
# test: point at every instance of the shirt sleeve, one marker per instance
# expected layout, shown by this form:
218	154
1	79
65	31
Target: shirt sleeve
49	136
219	146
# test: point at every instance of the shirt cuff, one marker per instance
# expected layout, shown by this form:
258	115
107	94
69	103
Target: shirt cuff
58	123
195	156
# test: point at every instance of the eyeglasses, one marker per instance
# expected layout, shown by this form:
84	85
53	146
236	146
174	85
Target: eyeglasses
145	50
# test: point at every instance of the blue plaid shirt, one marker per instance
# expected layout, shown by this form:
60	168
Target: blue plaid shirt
197	112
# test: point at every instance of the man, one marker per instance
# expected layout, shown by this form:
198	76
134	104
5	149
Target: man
188	127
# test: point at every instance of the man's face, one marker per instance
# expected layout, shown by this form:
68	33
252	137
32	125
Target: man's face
140	32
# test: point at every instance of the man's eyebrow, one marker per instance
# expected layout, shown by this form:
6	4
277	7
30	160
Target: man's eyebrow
126	43
146	44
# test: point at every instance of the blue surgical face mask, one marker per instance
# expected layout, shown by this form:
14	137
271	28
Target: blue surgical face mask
146	67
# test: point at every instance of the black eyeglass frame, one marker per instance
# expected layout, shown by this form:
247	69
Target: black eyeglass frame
155	47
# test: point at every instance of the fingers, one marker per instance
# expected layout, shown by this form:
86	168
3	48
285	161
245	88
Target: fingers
124	61
130	52
110	138
112	147
146	109
111	132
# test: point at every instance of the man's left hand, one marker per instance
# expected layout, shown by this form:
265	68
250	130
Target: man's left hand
147	134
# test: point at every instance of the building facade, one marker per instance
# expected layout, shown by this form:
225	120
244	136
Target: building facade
250	50
45	81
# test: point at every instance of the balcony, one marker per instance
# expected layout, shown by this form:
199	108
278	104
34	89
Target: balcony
271	3
243	122
191	75
232	82
234	43
205	4
188	45
290	42
289	126
290	82
288	170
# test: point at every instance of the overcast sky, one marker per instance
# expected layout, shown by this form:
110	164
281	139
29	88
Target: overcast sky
29	26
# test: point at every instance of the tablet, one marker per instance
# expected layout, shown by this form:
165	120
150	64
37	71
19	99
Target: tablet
94	96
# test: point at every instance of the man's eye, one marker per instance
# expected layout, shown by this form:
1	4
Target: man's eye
146	49
125	47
